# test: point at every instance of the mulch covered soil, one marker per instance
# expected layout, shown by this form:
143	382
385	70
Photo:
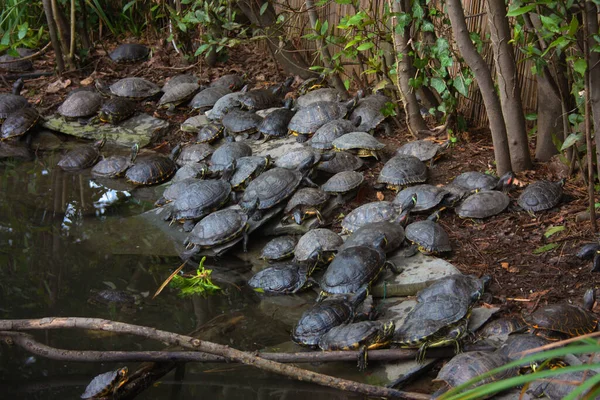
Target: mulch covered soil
507	247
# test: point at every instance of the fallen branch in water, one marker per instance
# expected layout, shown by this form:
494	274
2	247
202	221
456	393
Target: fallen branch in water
207	347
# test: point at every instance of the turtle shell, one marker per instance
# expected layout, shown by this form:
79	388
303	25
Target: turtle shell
352	336
111	167
103	384
307	120
424	150
194	153
320	239
270	188
219	227
351	269
306	197
566	319
17	66
466	366
429	236
238	121
515	345
483	204
260	99
357	141
541	195
342	161
473	180
151	170
276	123
229	81
10	103
428	196
196	171
208	97
343	182
19	122
323	94
563	385
224	104
295	158
403	170
376	211
320	318
81	157
325	135
177	80
502	327
116	109
134	88
200	198
178	94
209	133
83	103
468	287
369	235
279	248
246	169
129	52
227	153
177	189
281	278
369	111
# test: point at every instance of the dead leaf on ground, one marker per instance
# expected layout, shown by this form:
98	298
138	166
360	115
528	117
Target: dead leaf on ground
507	267
380	196
58	85
87	81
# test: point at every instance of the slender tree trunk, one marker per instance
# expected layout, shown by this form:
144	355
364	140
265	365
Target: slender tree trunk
404	72
549	121
73	23
486	84
508	85
86	43
591	11
588	113
60	65
337	82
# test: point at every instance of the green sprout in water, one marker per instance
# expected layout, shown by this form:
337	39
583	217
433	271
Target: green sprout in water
199	283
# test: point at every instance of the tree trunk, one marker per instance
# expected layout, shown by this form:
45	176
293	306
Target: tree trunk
486	84
404	72
508	85
86	43
286	54
549	121
60	65
594	69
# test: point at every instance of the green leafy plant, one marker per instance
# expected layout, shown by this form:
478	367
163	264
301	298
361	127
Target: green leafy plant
200	283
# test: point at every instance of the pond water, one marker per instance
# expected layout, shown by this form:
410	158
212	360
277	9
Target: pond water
63	234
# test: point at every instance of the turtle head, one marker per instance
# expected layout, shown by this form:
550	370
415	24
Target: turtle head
506	182
313	260
409	203
356	121
380	242
100	143
135	149
18	86
589	298
253	208
298	216
435	216
229	171
388	331
306	165
175	152
268	161
289	103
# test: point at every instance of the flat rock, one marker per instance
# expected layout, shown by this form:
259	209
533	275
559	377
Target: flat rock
419	271
140	129
194	124
274	147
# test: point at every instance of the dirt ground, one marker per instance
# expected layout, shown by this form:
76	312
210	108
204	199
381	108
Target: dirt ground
504	246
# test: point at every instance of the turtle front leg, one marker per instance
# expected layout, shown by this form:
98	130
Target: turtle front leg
362	358
421	353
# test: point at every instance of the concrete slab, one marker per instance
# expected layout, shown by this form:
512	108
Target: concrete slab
419	271
275	147
140	129
194	124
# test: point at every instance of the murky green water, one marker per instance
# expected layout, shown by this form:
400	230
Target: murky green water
62	235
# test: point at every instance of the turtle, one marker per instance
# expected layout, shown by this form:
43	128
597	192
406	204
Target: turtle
197	171
343	161
402	170
260	99
210	132
362	336
324	241
424	150
502	328
11	102
192	153
81	157
311	84
226	154
152	169
305	202
207	98
217	228
115	166
590	251
473	180
326	134
294	158
225	103
116	109
428	196
369	109
108	297
516	344
177	80
19	122
80	104
368	234
199	199
342	183
248	168
175	190
378	211
129	53
439	321
240	122
307	120
275	124
361	143
229	81
541	195
428	236
563	385
355	267
178	94
466	366
325	315
563	320
279	248
106	384
16	63
282	278
483	204
322	94
468	287
134	88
